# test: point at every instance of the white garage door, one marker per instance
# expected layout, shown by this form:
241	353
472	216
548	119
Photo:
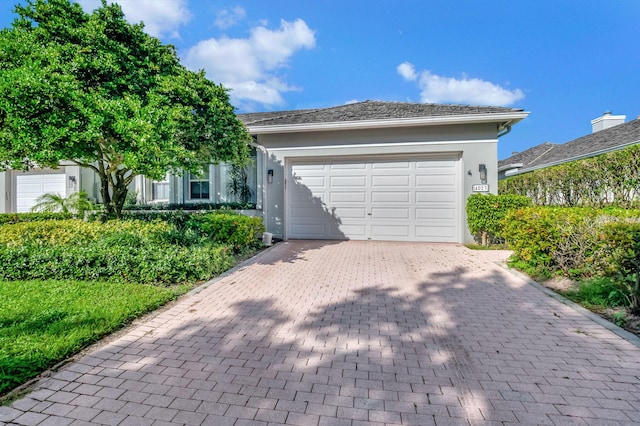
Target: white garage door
29	187
394	199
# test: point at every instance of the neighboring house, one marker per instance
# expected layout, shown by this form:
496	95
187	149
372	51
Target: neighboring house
366	171
609	133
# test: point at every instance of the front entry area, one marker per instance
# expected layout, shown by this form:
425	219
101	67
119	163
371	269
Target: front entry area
411	198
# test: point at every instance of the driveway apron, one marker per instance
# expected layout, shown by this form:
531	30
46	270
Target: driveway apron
352	333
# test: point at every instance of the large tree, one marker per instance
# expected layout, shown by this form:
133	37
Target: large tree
97	91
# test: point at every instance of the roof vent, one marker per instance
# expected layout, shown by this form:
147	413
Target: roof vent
607	120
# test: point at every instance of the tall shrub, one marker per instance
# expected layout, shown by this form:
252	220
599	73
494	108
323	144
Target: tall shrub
608	179
624	247
486	212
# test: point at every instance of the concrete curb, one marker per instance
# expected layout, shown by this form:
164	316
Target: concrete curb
629	337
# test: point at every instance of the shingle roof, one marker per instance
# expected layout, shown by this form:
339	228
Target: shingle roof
610	139
367	110
528	156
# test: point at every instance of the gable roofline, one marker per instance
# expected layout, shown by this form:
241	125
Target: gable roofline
576	158
503	120
377	114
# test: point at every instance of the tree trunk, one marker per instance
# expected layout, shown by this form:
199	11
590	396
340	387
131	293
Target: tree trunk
113	188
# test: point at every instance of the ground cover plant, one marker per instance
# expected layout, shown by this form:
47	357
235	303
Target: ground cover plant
44	322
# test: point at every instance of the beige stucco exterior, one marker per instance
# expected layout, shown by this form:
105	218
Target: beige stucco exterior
473	144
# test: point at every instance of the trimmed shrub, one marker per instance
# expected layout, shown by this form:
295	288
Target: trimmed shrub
73	231
233	229
547	240
485	214
32	217
131	251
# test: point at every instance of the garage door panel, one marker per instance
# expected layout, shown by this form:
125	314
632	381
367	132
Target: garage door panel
315	181
348	197
390	197
381	199
348	166
436	164
395	165
310	167
400	232
436	180
393	180
435	197
435	213
347	181
353	213
390	213
355	232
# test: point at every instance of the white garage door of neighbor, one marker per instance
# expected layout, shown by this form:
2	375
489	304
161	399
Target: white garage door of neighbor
29	187
393	199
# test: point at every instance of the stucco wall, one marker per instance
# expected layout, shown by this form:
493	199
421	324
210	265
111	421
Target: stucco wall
475	144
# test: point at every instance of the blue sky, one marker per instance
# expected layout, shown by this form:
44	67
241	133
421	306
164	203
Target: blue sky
565	61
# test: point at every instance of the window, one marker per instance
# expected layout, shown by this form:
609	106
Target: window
199	187
160	190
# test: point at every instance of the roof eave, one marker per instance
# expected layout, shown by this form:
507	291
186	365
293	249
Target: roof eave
577	157
510	166
507	118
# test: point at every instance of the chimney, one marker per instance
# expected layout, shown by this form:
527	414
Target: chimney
607	120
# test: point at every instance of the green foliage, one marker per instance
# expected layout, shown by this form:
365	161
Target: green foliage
624	248
76	204
485	214
44	322
608	179
32	217
129	251
556	239
99	92
599	293
238	184
230	228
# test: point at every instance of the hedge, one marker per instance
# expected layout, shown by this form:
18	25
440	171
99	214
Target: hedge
485	214
568	240
130	250
611	179
32	217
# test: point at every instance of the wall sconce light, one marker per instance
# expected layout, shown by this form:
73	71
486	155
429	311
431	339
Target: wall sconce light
72	181
270	176
482	168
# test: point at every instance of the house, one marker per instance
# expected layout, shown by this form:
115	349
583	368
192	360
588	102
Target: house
609	133
368	171
377	170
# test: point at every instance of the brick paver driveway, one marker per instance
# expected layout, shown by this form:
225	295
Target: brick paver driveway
321	333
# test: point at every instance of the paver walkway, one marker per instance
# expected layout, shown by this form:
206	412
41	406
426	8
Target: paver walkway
352	333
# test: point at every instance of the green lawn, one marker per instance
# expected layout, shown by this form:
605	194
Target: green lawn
44	322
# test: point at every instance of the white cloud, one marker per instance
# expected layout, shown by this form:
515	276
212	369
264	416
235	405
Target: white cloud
227	18
407	71
249	66
160	17
435	88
